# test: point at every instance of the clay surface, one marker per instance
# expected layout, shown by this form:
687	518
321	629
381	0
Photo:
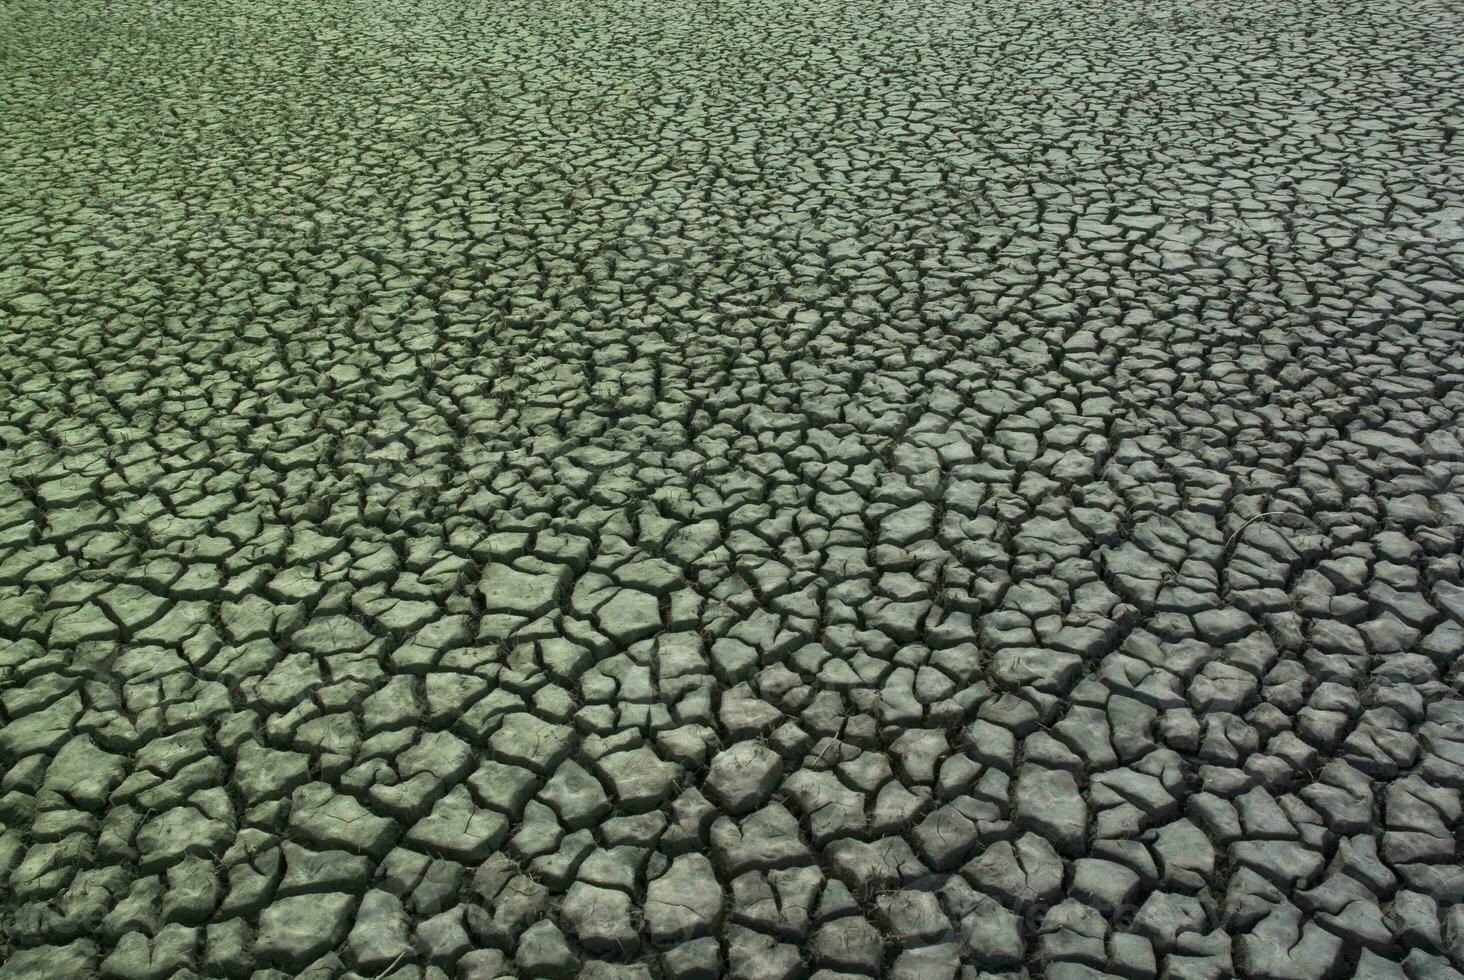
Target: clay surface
669	490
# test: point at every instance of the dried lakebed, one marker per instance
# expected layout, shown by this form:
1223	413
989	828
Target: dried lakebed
790	489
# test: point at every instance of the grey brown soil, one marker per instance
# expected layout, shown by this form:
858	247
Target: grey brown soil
680	489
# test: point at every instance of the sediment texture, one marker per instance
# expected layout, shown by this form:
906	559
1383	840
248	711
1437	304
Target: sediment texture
679	489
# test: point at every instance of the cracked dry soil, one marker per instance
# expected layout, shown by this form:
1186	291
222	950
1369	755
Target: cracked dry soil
685	489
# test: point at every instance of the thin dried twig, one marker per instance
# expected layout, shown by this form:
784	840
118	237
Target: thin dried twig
1241	530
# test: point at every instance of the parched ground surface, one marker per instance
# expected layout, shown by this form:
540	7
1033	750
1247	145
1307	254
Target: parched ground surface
676	489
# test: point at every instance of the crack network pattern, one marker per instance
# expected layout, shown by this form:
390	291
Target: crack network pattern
662	489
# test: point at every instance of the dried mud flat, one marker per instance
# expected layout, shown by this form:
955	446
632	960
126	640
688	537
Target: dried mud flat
670	490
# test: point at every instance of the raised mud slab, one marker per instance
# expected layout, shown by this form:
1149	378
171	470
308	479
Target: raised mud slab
900	488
